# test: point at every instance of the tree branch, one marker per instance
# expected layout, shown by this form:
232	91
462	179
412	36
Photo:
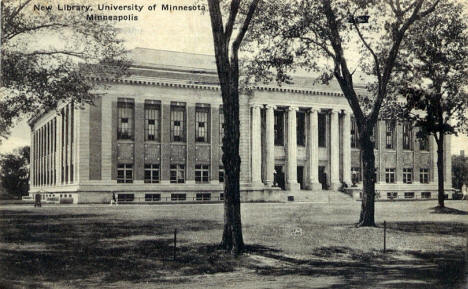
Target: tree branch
245	25
231	20
376	59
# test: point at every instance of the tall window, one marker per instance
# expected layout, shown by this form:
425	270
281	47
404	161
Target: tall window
354	134
322	126
407	175
221	125
201	124
152	173
177	174
407	136
177	122
125	108
300	124
390	175
152	120
424	143
124	173
202	173
279	128
221	174
390	132
424	176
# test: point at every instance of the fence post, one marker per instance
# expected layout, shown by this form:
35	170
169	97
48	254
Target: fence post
175	243
384	237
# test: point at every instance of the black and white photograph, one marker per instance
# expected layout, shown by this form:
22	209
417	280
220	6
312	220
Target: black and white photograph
234	144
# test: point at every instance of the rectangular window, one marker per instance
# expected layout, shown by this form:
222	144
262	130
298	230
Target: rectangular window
203	197
221	174
407	175
409	195
152	197
354	134
221	125
202	173
392	195
407	136
300	124
125	198
390	132
152	120
425	195
390	175
152	173
322	126
125	110
177	174
279	128
424	143
424	176
178	122
201	124
178	197
124	173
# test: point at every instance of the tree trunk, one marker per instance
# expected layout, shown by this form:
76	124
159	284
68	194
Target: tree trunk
440	169
366	218
232	235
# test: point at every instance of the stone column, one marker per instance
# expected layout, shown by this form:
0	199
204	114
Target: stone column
270	144
256	142
347	148
312	151
334	152
292	183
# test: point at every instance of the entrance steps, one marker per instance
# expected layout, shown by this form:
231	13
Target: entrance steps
323	196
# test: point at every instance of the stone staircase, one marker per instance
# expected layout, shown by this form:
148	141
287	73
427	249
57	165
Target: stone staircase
323	196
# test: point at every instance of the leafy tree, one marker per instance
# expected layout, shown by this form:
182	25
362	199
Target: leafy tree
42	53
433	76
226	47
14	172
325	36
459	171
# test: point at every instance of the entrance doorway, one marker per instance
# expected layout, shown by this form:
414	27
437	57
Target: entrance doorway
279	180
300	176
323	177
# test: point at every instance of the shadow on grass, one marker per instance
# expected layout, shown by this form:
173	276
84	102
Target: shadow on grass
440	228
445	210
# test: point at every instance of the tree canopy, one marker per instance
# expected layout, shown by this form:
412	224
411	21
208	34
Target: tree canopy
14	172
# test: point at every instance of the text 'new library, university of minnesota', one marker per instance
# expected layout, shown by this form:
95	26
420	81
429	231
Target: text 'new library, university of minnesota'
156	136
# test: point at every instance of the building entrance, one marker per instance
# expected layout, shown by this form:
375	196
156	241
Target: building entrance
279	180
323	178
300	176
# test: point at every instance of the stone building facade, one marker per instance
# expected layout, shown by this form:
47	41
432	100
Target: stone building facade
156	136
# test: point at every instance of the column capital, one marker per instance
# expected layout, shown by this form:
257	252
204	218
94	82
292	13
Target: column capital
270	106
334	111
347	112
293	108
256	105
313	109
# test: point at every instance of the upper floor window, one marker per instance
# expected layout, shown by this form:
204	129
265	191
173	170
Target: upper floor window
279	128
152	121
300	124
322	125
390	175
178	122
177	174
202	173
424	176
221	174
152	173
424	143
354	134
125	110
201	124
125	173
407	136
390	132
407	175
221	125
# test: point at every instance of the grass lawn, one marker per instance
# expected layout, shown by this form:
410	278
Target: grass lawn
290	245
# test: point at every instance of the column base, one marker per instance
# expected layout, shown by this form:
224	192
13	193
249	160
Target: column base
293	186
334	186
268	183
314	186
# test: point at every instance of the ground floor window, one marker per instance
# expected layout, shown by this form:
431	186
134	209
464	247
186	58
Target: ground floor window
124	173
178	197
392	195
125	197
425	195
152	197
203	196
202	173
424	176
409	195
178	174
221	197
152	173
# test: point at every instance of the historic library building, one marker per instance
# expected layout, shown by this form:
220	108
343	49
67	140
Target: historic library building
156	136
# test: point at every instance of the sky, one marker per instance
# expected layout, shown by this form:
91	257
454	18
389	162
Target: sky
176	31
